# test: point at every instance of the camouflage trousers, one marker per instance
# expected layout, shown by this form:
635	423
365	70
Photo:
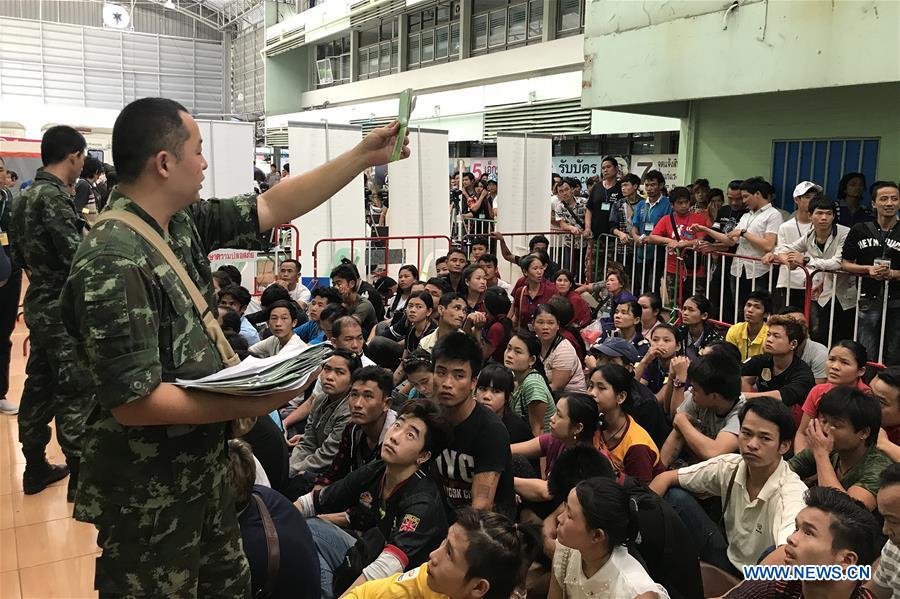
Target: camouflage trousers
56	387
185	550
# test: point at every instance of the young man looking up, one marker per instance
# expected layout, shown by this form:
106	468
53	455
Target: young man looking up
370	418
477	466
760	495
779	372
289	278
832	529
311	331
842	452
885	581
327	419
866	243
395	494
706	423
346	281
750	336
282	318
236	298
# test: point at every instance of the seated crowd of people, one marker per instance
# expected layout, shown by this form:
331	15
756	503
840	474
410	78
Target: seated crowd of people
470	437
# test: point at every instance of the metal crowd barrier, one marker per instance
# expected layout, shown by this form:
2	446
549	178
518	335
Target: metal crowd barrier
380	256
567	250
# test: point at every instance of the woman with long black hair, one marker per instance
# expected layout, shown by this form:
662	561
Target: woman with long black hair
591	559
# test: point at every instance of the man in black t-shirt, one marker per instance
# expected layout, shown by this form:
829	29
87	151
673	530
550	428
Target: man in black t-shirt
779	372
476	467
873	251
599	217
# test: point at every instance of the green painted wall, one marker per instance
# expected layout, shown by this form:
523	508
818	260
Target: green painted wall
732	137
287	77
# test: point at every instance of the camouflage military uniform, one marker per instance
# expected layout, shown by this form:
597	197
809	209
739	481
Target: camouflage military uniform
45	232
157	494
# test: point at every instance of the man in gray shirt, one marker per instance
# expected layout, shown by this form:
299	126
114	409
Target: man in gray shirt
707	423
327	419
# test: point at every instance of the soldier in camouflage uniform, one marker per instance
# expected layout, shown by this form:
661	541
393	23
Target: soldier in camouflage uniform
154	463
45	232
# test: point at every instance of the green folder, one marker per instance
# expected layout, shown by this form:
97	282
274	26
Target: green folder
407	103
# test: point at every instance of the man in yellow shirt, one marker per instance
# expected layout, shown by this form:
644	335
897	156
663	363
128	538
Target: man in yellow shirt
750	336
484	556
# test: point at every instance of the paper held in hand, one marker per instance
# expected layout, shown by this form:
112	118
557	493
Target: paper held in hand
290	370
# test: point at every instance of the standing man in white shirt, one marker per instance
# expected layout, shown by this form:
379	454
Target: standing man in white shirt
755	235
791	230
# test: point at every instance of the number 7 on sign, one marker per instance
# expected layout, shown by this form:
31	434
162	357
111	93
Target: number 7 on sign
407	103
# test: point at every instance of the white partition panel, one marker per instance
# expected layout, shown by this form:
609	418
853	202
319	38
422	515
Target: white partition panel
230	150
524	190
343	216
419	202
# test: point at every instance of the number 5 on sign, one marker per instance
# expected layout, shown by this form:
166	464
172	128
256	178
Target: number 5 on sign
407	104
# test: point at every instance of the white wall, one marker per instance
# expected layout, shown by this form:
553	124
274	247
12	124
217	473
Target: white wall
313	144
419	200
229	150
767	47
525	196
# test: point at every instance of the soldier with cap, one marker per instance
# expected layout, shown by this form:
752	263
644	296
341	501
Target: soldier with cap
154	463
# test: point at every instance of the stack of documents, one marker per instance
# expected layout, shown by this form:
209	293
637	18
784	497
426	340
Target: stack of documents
287	371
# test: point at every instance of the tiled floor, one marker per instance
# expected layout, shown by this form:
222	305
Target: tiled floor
44	553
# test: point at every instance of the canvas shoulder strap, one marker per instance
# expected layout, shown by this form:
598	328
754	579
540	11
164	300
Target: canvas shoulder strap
210	324
273	561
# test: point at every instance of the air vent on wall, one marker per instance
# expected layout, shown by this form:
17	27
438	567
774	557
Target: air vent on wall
557	117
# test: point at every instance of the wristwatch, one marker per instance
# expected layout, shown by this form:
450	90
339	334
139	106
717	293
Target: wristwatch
743	232
805	260
678	384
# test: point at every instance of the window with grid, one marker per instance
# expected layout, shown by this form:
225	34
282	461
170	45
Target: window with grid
433	35
502	24
570	19
332	63
378	47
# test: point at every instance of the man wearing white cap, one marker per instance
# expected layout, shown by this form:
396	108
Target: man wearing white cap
789	232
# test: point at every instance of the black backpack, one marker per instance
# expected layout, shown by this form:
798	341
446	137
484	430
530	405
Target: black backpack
664	545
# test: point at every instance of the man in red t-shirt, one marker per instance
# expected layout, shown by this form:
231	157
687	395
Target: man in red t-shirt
676	232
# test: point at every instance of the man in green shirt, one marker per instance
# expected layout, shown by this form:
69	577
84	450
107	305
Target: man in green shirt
842	452
154	461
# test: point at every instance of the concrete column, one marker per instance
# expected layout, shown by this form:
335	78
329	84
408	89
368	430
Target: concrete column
354	55
465	29
548	27
686	143
403	45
